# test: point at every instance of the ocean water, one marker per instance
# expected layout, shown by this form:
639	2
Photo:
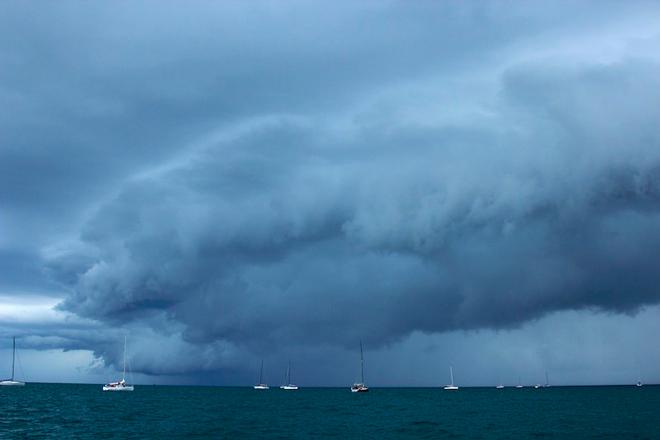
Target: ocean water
84	411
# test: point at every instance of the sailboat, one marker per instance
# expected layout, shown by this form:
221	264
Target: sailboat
289	385
519	384
500	386
261	385
451	387
11	381
360	387
547	382
120	385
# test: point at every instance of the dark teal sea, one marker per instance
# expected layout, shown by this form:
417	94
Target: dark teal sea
83	411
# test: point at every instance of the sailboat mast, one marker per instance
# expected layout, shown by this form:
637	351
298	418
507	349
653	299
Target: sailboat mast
13	358
451	374
123	376
361	363
261	372
288	373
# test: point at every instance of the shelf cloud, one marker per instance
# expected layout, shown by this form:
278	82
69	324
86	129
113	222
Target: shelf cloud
237	179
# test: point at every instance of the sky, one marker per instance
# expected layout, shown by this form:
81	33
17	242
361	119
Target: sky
466	184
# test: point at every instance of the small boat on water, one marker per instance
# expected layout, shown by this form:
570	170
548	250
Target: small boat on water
519	383
287	380
261	385
360	387
12	381
500	386
451	387
120	385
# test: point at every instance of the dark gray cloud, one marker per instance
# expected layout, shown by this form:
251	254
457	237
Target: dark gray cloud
239	179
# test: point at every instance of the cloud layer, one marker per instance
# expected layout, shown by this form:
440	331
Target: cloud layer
236	180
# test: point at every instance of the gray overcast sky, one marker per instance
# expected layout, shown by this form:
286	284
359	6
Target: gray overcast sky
464	183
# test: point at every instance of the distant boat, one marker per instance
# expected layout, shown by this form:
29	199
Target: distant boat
11	381
360	387
451	386
500	386
547	382
261	385
639	383
121	385
519	384
289	385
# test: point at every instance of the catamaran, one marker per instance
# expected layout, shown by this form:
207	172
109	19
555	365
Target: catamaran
360	387
120	385
11	381
451	387
289	385
261	385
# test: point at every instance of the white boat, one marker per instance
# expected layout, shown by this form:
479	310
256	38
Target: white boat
500	386
261	385
451	387
639	383
11	381
360	387
287	379
120	385
519	384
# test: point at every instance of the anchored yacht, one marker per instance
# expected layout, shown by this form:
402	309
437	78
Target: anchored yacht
11	381
120	385
360	387
451	387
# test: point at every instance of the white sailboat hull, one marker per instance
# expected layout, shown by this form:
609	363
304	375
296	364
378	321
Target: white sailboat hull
359	388
451	388
289	387
11	383
118	388
261	387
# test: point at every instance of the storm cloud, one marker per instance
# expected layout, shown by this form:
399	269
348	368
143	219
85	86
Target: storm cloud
232	179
